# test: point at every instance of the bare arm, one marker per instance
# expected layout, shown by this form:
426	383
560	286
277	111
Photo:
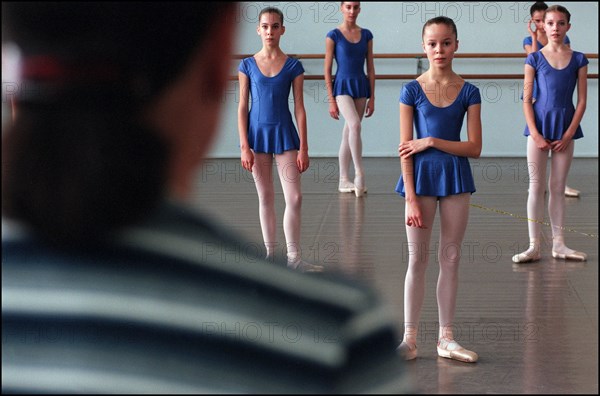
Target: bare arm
247	157
300	114
371	76
534	43
540	142
334	112
413	215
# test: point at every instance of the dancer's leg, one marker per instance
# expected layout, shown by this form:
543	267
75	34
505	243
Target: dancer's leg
560	163
559	169
454	216
418	240
344	158
352	110
262	171
536	163
291	185
290	178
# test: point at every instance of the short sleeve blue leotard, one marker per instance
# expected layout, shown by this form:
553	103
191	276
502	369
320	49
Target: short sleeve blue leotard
529	41
436	172
350	78
270	125
554	107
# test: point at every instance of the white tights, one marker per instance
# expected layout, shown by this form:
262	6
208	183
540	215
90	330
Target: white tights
559	168
351	146
454	214
290	179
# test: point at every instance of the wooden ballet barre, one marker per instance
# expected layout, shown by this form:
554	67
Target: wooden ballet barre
413	76
419	55
465	76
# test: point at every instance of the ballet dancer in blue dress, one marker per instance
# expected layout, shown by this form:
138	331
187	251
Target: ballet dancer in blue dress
351	92
537	38
267	133
553	123
535	41
436	171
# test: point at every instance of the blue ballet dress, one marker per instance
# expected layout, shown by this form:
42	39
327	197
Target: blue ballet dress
437	173
350	78
554	107
270	125
528	41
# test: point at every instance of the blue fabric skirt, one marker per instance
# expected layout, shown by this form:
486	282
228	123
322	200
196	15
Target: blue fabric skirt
440	174
356	86
553	122
272	138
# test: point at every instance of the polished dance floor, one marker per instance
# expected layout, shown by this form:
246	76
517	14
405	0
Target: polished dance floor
534	326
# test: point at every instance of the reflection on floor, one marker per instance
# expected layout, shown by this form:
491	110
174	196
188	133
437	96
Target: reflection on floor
534	326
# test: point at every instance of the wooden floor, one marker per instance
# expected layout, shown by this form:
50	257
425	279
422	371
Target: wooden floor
534	326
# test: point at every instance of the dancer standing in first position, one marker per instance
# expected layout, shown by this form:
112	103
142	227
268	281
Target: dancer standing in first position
553	123
535	41
436	171
267	133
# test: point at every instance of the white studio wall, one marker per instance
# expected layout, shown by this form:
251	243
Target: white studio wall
483	27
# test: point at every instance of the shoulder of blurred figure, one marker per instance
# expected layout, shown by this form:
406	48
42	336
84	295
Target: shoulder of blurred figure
180	304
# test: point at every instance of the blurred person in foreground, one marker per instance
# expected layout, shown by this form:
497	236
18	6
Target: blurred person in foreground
111	283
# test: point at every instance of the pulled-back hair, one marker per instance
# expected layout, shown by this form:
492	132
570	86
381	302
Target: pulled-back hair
271	10
558	8
441	20
78	161
538	6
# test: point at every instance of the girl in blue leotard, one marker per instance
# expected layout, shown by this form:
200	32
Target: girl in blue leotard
436	172
535	41
537	38
267	133
351	92
552	126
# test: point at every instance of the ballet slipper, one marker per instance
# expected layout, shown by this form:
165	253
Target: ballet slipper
345	186
571	192
406	351
303	266
450	349
526	257
359	186
359	192
576	256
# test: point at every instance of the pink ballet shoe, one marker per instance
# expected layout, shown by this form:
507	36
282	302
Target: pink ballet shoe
359	186
450	349
571	192
525	257
575	256
359	192
303	266
345	186
406	352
